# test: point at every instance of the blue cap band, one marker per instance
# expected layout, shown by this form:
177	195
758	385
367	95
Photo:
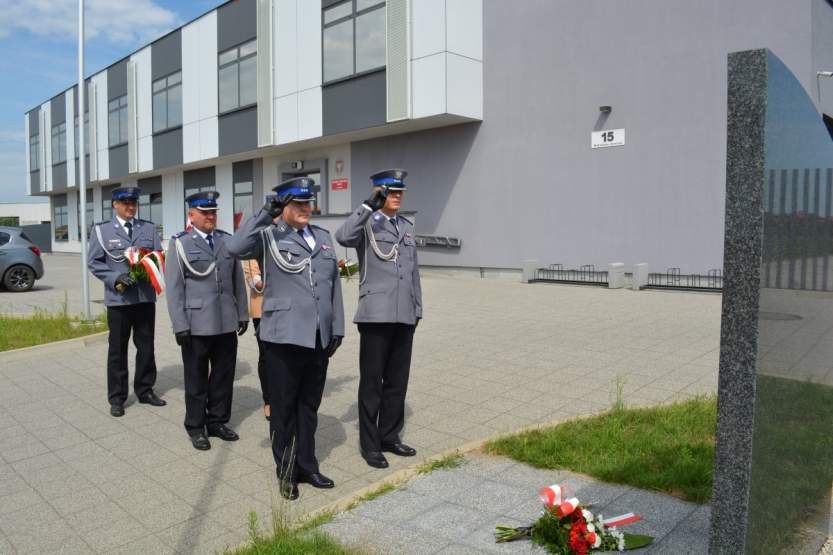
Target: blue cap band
202	202
388	181
295	191
123	196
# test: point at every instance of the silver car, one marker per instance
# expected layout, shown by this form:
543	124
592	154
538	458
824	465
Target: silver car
20	261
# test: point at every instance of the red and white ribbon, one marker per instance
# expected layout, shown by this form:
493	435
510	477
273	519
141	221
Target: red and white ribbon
155	270
552	496
621	520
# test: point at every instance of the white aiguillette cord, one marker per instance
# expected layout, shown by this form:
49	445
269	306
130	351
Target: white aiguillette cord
182	259
270	245
101	242
392	255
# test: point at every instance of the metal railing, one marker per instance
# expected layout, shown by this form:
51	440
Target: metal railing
673	279
585	275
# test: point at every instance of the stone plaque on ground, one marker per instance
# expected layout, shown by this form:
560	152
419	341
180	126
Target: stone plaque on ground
774	452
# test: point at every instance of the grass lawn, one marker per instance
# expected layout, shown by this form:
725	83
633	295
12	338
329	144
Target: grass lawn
668	448
289	539
44	327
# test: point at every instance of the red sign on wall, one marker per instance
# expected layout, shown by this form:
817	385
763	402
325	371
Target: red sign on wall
339	184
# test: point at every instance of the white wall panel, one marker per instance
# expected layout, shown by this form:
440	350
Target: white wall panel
310	118
427	27
286	119
46	145
464	78
145	154
191	142
225	186
285	54
428	82
102	158
209	138
173	204
309	44
26	150
69	97
97	213
191	73
464	28
144	101
208	65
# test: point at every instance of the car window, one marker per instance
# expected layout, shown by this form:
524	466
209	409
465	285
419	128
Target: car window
4	238
24	236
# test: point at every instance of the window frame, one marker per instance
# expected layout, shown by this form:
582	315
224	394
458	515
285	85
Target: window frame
63	213
166	91
122	139
354	15
34	153
236	62
242	195
59	143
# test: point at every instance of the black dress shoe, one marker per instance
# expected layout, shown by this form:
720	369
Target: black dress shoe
399	449
375	459
116	410
316	480
223	432
200	442
152	399
289	490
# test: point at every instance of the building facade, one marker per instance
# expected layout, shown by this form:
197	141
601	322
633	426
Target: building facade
491	105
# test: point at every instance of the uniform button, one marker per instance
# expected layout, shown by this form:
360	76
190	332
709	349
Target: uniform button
400	277
313	270
317	298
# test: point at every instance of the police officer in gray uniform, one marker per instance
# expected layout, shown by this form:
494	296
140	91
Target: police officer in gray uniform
301	326
131	306
390	307
206	294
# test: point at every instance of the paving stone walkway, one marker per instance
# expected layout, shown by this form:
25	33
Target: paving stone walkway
490	357
455	512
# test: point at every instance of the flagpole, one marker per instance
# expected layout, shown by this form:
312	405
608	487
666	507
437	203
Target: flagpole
82	185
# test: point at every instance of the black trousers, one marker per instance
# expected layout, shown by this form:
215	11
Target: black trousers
261	363
209	362
384	365
141	320
296	385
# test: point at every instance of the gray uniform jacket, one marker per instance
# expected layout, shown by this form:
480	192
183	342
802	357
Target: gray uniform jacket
114	241
208	305
389	290
295	305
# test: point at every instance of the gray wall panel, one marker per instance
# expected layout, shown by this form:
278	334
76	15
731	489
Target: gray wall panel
529	166
33	121
58	109
86	97
242	171
118	162
236	23
167	149
355	104
59	177
117	80
151	184
165	55
34	181
203	177
238	131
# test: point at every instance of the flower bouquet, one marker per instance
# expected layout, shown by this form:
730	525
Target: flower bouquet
347	268
147	266
568	528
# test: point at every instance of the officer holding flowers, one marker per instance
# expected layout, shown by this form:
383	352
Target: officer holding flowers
131	303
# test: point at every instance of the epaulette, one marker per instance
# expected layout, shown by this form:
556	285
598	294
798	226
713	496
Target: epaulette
180	234
103	222
407	220
324	229
222	232
145	221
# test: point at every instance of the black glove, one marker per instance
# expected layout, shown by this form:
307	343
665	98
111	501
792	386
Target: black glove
335	343
377	199
183	338
123	282
242	327
275	206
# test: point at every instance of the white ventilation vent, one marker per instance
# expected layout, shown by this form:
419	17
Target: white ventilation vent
397	56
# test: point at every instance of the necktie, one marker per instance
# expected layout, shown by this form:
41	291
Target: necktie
396	227
210	240
129	226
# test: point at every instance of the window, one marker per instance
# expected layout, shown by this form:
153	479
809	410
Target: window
150	208
107	203
243	203
59	143
86	135
117	120
59	221
34	153
354	38
4	238
88	212
237	76
167	102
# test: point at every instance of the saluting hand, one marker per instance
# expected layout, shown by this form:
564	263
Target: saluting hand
242	327
377	199
335	343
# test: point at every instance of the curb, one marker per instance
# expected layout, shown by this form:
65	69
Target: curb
84	340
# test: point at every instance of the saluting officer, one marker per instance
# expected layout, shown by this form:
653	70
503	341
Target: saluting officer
131	306
301	326
390	307
206	293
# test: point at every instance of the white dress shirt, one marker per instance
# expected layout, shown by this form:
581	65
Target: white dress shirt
124	227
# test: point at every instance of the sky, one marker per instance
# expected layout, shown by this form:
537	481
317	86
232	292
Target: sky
39	58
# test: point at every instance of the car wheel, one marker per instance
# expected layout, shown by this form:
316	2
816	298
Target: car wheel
19	278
